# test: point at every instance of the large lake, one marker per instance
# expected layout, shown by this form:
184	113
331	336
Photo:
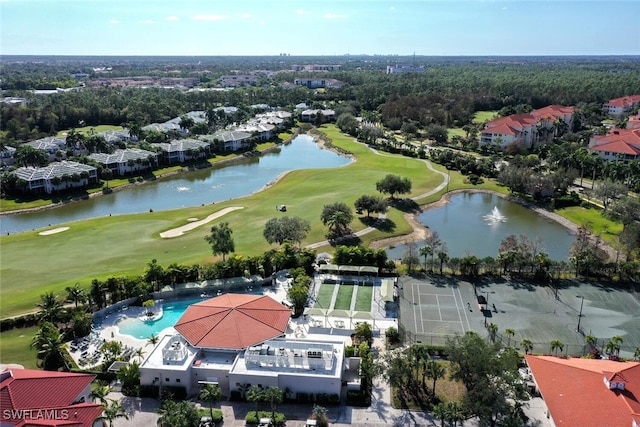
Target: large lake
476	224
185	190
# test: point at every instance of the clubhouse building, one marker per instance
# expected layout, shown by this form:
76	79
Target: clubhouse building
239	340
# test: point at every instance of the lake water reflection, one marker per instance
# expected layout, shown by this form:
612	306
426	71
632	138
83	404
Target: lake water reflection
185	190
476	224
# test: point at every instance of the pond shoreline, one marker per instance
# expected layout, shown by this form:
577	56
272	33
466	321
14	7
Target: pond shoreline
183	170
420	232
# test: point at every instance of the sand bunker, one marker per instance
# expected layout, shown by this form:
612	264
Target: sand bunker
54	231
195	224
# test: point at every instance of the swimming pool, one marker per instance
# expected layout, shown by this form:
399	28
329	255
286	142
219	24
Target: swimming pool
143	329
171	312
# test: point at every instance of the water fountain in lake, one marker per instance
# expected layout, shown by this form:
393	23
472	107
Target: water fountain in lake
495	216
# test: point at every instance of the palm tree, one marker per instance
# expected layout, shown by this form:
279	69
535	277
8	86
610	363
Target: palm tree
557	345
425	251
435	371
255	394
636	354
76	294
455	413
612	346
99	394
527	345
273	395
153	340
492	328
441	412
50	307
50	345
509	332
139	352
112	411
210	393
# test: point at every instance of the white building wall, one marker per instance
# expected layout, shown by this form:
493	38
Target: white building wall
204	374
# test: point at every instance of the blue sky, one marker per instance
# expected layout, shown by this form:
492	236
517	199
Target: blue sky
319	27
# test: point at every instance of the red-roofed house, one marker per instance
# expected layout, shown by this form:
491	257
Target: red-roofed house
618	145
588	392
238	339
43	398
634	122
618	106
525	129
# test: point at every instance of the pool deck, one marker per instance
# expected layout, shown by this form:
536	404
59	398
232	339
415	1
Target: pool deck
309	327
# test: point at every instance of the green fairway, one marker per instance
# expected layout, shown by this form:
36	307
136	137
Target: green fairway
86	130
484	116
123	245
15	347
363	298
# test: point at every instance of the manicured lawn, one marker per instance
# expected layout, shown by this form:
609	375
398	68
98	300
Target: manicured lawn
15	347
482	116
363	298
343	299
325	295
455	132
86	129
592	219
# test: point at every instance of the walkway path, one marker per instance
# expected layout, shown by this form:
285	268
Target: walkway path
364	231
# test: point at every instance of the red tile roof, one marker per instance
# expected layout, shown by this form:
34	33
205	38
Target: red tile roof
625	101
576	395
43	398
552	111
623	141
233	321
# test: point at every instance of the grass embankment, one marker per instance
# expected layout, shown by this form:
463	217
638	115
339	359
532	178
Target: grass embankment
15	347
592	219
86	130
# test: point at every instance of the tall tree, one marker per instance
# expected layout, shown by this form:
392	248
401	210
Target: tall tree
112	411
394	184
76	294
49	343
557	345
211	394
51	308
370	204
220	239
337	216
286	229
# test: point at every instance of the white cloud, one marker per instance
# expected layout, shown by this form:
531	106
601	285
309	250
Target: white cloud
505	8
262	22
245	16
114	21
209	18
334	16
392	8
301	12
147	21
171	18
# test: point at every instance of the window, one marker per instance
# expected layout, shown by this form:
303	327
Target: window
167	380
177	380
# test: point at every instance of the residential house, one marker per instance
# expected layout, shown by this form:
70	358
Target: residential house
57	176
515	129
400	68
618	106
54	146
617	145
318	82
182	150
237	80
129	160
6	156
116	137
237	340
316	67
587	392
633	122
31	397
526	130
310	115
230	140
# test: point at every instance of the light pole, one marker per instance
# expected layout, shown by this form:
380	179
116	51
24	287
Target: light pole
580	315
